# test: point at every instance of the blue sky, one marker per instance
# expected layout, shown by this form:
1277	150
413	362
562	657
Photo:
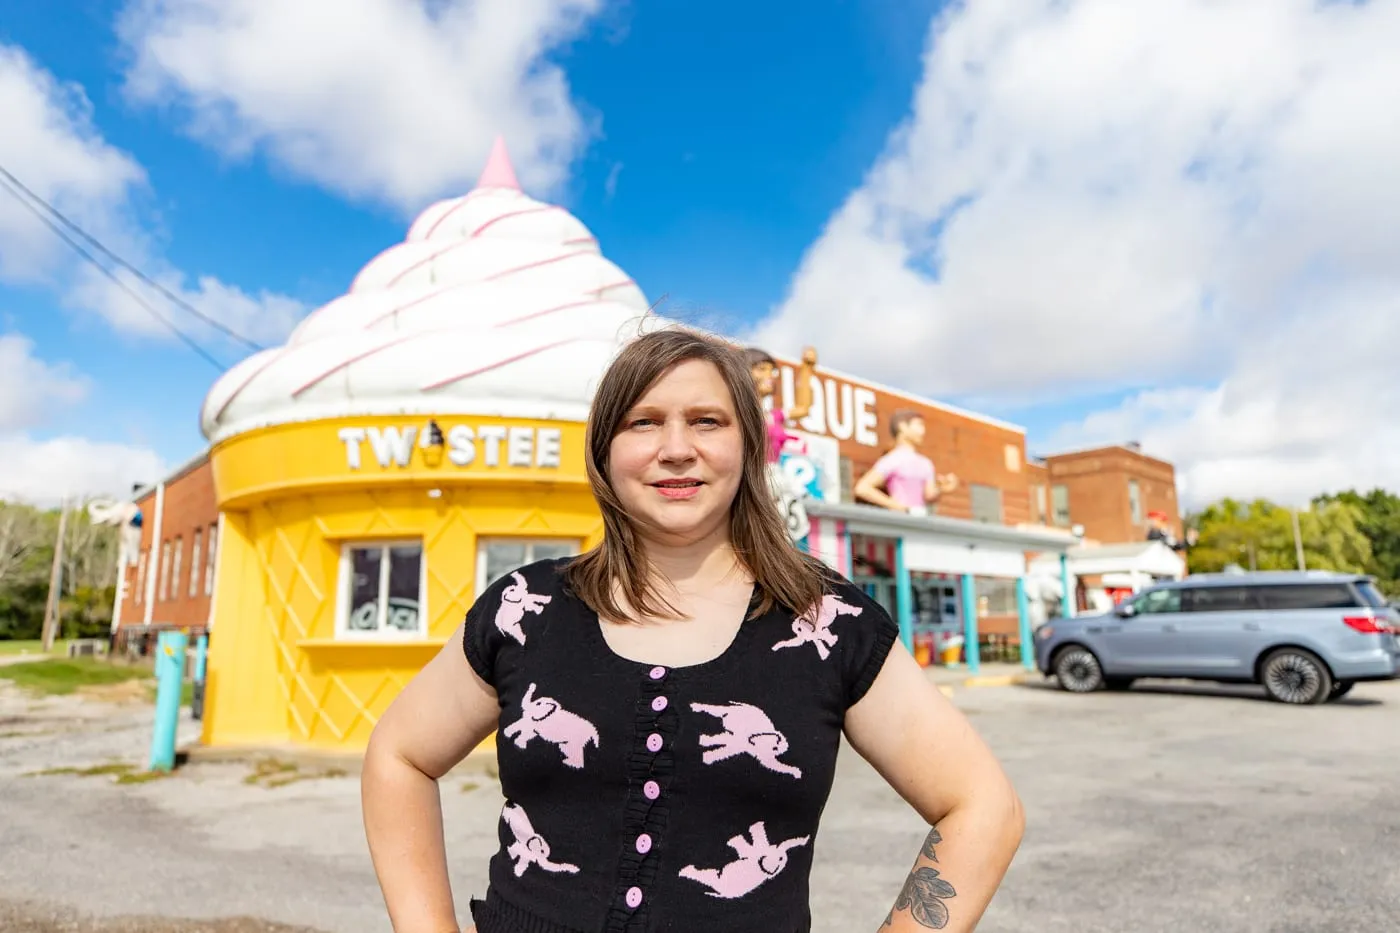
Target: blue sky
769	170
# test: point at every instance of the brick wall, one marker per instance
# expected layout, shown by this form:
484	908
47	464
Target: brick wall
181	591
1098	482
979	450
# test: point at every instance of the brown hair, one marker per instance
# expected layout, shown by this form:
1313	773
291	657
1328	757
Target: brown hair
757	532
902	417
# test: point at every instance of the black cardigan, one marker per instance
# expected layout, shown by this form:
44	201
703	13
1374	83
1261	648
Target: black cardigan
641	797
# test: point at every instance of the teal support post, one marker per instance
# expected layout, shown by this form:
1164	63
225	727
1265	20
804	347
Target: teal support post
971	650
1023	610
170	677
201	658
903	596
1067	606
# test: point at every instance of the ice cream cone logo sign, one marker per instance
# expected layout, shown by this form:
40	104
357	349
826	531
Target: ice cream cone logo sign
462	445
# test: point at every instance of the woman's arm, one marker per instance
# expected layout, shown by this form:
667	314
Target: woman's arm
928	752
443	713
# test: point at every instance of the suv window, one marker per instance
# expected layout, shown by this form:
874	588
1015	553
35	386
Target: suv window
1219	599
1285	596
1369	594
1155	601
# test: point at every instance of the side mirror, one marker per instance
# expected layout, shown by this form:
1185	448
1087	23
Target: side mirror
1125	610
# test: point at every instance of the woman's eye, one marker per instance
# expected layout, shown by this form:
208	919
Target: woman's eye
708	422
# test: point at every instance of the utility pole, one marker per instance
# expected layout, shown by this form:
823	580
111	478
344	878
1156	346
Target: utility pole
1298	542
52	608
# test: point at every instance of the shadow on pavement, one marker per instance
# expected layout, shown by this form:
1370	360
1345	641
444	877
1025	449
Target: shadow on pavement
1247	692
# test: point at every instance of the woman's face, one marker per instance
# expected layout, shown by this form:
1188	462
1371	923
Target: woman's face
678	456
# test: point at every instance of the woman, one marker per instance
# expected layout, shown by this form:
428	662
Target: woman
671	703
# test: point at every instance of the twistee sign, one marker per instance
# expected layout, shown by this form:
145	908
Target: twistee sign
489	445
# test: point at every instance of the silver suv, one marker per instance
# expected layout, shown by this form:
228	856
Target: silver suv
1307	637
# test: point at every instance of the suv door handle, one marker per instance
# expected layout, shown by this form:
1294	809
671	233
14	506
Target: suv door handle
1169	628
1251	626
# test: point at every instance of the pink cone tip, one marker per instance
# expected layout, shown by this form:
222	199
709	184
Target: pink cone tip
499	173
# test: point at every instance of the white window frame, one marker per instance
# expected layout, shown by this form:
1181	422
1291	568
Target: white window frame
210	560
195	565
529	541
345	582
141	561
1135	502
1055	509
176	560
163	586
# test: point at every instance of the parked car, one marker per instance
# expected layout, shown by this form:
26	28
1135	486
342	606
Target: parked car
1307	637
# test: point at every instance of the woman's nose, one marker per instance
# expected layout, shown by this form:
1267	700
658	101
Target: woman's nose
676	443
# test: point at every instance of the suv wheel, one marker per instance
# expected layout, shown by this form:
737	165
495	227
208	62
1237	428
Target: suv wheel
1078	670
1292	675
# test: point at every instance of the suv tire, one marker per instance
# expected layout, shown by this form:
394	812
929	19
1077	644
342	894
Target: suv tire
1292	675
1078	670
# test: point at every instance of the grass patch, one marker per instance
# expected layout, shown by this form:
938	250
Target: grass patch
63	676
31	647
114	768
124	772
269	772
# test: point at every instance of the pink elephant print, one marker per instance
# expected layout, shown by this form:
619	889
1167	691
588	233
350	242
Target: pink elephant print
814	626
758	861
543	717
516	600
747	731
529	847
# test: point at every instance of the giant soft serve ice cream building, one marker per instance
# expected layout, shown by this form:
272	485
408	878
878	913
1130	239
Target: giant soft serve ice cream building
412	440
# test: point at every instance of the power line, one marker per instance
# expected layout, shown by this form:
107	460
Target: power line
98	245
77	247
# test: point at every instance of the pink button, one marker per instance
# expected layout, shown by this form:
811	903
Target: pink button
651	789
653	743
634	898
658	704
644	843
658	672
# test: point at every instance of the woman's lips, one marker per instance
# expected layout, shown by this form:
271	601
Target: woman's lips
678	488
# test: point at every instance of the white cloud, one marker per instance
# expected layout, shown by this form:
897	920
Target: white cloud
45	471
30	387
50	144
391	99
1190	197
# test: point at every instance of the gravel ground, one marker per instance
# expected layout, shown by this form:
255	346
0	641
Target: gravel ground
1167	808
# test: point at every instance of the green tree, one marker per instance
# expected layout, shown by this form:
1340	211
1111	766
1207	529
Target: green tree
1258	535
1379	520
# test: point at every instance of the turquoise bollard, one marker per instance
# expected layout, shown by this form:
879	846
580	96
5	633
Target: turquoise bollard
170	678
201	658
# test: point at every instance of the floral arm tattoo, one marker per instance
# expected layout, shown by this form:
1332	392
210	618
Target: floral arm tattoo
924	894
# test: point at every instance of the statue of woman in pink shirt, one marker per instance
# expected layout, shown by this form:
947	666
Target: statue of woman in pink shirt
904	479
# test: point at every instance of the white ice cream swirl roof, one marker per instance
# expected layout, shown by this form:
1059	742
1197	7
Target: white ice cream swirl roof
495	304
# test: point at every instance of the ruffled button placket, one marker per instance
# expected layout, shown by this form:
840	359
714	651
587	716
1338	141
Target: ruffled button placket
651	767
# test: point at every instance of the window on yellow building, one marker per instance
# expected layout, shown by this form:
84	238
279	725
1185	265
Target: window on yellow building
381	590
496	557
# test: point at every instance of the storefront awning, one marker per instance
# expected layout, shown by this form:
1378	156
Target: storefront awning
938	544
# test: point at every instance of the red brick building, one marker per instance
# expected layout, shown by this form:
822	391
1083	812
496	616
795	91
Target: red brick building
1111	491
172	581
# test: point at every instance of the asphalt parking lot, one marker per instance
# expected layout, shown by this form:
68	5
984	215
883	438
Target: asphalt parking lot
1168	808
